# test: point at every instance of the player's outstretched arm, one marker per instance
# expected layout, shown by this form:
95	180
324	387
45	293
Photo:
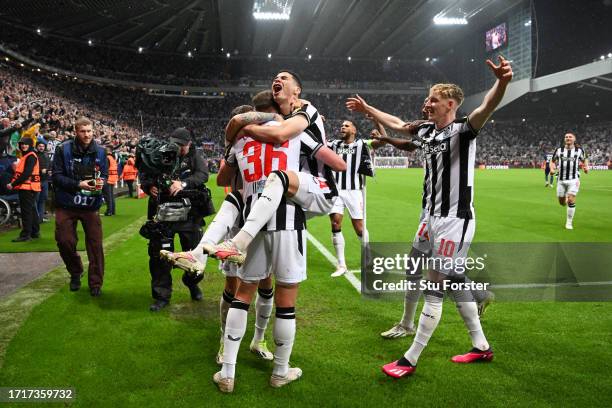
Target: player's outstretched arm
277	134
239	121
375	143
358	104
503	73
327	156
401	144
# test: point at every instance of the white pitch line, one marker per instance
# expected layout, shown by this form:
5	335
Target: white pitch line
531	285
549	285
356	283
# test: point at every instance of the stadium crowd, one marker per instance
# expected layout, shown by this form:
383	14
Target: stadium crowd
48	105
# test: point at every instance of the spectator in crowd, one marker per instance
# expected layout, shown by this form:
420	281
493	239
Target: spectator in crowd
6	131
80	170
52	143
129	174
44	164
27	182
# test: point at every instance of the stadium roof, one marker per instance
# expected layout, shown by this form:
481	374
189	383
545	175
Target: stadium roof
583	100
323	28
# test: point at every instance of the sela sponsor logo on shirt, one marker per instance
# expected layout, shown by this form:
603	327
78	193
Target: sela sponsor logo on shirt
346	150
568	159
435	147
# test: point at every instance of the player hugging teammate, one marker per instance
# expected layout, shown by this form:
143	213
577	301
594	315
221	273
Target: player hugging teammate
285	169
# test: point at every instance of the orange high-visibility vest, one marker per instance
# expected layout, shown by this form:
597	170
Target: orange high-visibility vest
113	176
32	182
129	172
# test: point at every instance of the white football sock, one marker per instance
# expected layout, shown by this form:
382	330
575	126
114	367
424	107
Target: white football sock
414	274
411	301
338	241
469	312
478	294
234	329
224	305
430	317
284	336
571	209
263	210
217	229
263	310
365	236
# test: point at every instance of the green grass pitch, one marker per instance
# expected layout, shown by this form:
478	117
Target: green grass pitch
114	352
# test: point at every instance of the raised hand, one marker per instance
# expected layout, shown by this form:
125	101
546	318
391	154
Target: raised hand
375	134
503	71
357	104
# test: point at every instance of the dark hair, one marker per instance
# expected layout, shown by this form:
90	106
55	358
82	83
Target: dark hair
295	76
264	100
241	109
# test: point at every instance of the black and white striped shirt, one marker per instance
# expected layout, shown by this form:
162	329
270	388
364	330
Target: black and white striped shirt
356	155
568	162
308	162
255	162
449	156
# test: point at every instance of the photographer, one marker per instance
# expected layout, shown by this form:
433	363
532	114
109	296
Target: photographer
79	173
170	194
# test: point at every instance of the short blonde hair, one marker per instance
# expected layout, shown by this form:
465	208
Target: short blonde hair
448	91
82	121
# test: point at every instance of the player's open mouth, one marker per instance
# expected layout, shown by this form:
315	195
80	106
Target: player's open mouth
276	89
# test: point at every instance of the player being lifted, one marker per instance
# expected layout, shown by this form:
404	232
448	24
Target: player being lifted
351	185
449	147
312	187
228	219
549	177
566	162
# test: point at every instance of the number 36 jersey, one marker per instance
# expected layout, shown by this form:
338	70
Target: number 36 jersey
256	160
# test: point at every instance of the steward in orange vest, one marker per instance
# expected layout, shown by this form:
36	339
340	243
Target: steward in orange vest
108	191
129	175
129	171
27	183
113	175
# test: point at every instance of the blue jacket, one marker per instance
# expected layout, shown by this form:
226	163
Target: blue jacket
71	162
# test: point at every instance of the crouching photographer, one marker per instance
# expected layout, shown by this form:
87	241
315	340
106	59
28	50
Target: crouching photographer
173	174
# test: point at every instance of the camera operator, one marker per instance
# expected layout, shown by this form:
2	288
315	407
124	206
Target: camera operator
171	193
79	173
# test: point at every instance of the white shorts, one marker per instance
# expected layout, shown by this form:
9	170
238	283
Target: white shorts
447	241
565	187
352	200
311	195
421	238
278	253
